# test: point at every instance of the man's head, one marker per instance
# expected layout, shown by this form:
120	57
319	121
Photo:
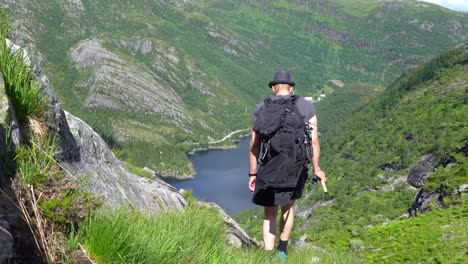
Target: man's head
281	83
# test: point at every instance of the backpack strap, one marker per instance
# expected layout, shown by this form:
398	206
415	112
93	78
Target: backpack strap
268	100
295	99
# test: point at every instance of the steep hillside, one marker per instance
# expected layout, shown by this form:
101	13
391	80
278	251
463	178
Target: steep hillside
159	78
409	141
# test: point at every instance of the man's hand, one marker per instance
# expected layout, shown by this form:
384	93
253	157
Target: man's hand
320	174
252	181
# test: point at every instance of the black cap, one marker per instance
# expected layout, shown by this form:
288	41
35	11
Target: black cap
282	77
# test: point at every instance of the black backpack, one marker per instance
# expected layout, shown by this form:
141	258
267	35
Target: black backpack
283	134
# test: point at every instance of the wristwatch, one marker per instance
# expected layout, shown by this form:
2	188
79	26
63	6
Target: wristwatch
252	174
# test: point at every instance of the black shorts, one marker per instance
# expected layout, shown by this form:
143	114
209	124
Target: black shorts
268	197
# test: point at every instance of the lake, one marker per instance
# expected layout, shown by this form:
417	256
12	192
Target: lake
221	177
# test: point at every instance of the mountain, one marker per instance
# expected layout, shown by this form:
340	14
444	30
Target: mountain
397	169
157	79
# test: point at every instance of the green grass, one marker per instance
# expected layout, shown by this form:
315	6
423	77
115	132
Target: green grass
138	171
362	128
35	161
196	235
358	8
23	91
440	236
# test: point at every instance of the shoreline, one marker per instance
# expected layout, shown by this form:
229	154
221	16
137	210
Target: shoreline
230	146
171	177
228	136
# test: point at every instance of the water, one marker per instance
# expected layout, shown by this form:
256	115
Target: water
221	177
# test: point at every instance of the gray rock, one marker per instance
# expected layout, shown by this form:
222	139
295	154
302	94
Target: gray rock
144	46
6	244
105	176
86	156
425	202
15	235
115	83
237	236
419	173
6	239
10	135
390	166
454	26
301	243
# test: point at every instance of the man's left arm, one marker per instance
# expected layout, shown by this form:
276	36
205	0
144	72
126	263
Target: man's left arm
316	149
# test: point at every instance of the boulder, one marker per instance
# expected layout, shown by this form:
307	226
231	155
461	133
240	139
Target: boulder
419	173
301	243
237	236
426	201
390	166
95	164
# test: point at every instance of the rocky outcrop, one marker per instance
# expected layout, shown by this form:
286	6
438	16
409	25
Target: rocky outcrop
237	236
6	238
390	166
116	84
15	235
85	156
426	201
105	176
302	243
419	173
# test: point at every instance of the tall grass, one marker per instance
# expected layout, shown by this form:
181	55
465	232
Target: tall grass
23	91
196	235
125	236
35	161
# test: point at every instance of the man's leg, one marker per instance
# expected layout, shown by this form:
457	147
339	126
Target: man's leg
269	226
286	225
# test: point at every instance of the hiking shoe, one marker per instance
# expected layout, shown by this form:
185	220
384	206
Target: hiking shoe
282	255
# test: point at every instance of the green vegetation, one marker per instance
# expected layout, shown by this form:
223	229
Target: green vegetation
35	161
231	48
358	8
363	128
46	199
436	237
128	236
23	91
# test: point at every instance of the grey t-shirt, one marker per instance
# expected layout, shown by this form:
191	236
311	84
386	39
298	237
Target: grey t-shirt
306	108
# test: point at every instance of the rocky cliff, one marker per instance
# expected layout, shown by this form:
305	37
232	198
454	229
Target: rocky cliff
14	232
84	157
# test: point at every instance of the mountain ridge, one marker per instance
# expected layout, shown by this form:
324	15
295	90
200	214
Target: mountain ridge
196	51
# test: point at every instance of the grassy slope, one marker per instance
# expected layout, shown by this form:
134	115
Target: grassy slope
317	44
437	237
176	237
428	103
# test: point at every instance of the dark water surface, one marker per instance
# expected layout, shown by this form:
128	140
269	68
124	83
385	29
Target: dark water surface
221	177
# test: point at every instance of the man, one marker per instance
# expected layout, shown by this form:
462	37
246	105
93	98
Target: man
282	87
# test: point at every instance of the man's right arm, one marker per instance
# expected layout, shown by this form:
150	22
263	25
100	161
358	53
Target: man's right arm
254	150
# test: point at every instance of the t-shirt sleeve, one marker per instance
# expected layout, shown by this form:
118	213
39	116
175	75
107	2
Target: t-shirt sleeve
254	115
306	108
